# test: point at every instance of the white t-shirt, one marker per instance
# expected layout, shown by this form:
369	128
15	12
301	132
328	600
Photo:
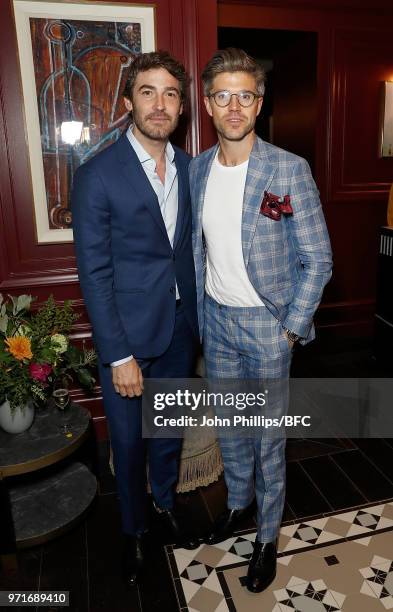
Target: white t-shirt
227	281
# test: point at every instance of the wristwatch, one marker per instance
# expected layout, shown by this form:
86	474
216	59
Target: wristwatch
291	335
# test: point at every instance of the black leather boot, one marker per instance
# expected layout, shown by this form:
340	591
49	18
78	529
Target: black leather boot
262	567
181	535
133	558
225	525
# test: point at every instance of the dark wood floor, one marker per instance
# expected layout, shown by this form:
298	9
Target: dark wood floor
323	476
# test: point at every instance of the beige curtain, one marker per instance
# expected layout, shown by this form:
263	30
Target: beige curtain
200	464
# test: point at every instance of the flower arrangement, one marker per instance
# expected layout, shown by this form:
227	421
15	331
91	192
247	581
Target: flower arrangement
35	349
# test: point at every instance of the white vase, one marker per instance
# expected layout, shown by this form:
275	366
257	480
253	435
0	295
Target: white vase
17	421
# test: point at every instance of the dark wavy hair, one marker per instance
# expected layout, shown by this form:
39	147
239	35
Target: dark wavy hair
156	59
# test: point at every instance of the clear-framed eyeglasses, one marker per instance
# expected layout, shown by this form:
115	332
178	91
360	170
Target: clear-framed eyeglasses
224	97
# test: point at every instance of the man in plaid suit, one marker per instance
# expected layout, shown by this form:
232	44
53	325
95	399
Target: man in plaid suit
262	258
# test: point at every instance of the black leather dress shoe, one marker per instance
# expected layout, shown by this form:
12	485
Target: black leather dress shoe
262	567
180	533
225	525
133	558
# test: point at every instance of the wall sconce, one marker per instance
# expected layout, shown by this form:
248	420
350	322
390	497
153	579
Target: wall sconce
386	148
71	131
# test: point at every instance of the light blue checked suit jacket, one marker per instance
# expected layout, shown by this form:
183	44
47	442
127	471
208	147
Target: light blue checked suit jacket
287	261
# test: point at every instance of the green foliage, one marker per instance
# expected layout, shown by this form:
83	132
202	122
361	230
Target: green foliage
20	303
12	313
35	348
59	319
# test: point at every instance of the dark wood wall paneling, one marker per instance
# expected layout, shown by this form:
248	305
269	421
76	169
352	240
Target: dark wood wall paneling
382	7
355	56
25	266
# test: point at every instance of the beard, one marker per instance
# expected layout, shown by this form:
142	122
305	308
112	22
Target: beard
152	131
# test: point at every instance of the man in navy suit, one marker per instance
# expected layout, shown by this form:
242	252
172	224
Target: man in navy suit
132	228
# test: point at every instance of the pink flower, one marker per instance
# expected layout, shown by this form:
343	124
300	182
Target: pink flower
40	371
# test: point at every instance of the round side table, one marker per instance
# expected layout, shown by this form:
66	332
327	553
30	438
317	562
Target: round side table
40	502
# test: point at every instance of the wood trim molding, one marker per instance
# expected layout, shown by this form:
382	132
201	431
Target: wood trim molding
380	6
252	15
347	51
200	42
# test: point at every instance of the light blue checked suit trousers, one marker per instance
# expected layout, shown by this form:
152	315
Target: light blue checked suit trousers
288	262
249	343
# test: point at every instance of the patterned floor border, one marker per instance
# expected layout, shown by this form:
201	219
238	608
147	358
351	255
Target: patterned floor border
211	578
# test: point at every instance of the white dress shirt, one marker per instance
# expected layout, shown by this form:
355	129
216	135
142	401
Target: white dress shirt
167	193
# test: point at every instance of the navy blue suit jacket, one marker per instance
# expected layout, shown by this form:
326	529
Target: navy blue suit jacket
127	267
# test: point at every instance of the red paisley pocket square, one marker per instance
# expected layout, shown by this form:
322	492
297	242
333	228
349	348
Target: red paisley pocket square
273	206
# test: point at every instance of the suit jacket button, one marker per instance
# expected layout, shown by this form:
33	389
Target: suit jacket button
174	257
172	289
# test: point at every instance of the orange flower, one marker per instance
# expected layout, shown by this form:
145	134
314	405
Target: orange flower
19	347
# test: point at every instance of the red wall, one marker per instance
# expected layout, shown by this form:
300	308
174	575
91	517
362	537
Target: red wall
25	266
355	54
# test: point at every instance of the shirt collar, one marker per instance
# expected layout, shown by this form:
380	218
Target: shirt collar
142	154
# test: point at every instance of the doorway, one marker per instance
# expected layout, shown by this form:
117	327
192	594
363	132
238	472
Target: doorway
289	113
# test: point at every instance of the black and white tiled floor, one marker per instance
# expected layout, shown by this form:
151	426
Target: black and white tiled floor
337	563
320	488
326	551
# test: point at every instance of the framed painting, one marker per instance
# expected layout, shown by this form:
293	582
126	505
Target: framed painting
73	60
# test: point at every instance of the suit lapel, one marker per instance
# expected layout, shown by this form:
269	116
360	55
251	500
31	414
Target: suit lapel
182	176
260	174
202	178
135	175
